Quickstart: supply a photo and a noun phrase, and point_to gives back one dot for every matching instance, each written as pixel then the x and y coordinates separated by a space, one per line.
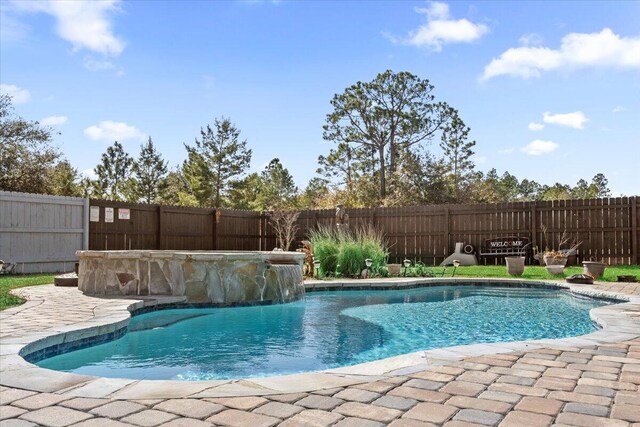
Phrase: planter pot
pixel 551 260
pixel 515 265
pixel 595 269
pixel 556 270
pixel 394 269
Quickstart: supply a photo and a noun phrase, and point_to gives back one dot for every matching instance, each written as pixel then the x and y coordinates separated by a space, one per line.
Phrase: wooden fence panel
pixel 607 228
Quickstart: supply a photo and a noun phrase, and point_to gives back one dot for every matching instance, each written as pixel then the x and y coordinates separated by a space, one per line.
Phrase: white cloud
pixel 574 120
pixel 531 39
pixel 535 126
pixel 54 120
pixel 506 150
pixel 84 23
pixel 18 95
pixel 539 147
pixel 93 64
pixel 110 131
pixel 441 29
pixel 577 50
pixel 618 109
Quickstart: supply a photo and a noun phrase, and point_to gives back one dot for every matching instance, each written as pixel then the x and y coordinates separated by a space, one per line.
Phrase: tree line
pixel 382 133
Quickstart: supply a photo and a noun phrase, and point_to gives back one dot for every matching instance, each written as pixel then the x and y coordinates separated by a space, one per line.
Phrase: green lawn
pixel 537 272
pixel 9 282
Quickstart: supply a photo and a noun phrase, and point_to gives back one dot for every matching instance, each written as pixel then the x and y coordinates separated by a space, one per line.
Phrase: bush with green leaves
pixel 343 254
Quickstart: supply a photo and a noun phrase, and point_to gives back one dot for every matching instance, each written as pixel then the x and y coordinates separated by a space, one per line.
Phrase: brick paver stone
pixel 552 383
pixel 55 416
pixel 463 388
pixel 370 412
pixel 357 395
pixel 513 379
pixel 288 398
pixel 278 410
pixel 597 391
pixel 419 394
pixel 539 405
pixel 192 408
pixel 40 400
pixel 242 403
pixel 312 418
pixel 500 396
pixel 580 398
pixel 586 409
pixel 320 402
pixel 431 412
pixel 83 403
pixel 466 402
pixel 8 396
pixel 627 412
pixel 410 422
pixel 185 422
pixel 117 409
pixel 581 420
pixel 235 418
pixel 10 412
pixel 479 417
pixel 358 422
pixel 395 402
pixel 478 377
pixel 376 386
pixel 526 419
pixel 425 384
pixel 16 422
pixel 104 422
pixel 149 418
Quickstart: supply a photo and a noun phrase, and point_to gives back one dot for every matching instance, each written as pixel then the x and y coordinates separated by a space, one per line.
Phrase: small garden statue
pixel 342 218
pixel 308 267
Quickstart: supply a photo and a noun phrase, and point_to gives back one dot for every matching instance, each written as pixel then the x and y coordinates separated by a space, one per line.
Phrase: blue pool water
pixel 327 330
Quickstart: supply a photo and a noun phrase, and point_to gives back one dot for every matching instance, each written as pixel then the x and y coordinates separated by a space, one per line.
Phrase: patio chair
pixel 7 267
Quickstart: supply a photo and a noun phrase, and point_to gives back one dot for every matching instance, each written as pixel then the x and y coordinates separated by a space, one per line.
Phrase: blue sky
pixel 550 90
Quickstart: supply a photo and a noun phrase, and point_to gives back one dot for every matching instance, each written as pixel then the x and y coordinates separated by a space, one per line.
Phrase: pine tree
pixel 277 189
pixel 114 172
pixel 150 173
pixel 457 151
pixel 216 160
pixel 64 180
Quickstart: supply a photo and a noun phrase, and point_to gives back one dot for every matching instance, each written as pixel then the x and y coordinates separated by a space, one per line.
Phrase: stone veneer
pixel 211 277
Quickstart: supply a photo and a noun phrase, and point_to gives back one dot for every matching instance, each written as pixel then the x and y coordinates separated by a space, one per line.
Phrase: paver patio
pixel 592 380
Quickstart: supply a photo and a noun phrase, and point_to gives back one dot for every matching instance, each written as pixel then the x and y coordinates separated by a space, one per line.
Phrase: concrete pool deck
pixel 587 380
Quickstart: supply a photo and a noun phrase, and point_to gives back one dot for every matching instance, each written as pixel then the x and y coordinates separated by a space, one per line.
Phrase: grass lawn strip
pixel 9 282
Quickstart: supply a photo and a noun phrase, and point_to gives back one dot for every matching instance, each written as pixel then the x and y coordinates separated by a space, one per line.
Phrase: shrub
pixel 344 254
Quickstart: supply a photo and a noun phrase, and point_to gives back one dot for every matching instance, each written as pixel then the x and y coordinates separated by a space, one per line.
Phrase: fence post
pixel 634 230
pixel 214 234
pixel 159 237
pixel 85 235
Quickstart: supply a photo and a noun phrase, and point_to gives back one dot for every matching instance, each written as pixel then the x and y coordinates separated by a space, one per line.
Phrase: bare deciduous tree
pixel 285 227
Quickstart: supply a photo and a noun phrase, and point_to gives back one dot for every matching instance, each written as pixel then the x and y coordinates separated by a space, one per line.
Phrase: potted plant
pixel 594 268
pixel 560 255
pixel 394 269
pixel 515 265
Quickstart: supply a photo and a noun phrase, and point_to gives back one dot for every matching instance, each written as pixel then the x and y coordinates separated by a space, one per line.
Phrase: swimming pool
pixel 326 330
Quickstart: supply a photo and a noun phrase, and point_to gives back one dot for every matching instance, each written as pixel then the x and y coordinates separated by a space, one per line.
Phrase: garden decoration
pixel 593 268
pixel 515 265
pixel 342 218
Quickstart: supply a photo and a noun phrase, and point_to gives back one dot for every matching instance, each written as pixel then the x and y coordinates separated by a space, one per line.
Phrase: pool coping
pixel 114 315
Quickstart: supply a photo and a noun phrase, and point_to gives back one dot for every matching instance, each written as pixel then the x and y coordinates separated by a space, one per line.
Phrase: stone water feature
pixel 202 276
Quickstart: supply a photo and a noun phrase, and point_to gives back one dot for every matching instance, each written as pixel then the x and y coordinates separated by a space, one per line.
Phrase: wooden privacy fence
pixel 41 233
pixel 607 228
